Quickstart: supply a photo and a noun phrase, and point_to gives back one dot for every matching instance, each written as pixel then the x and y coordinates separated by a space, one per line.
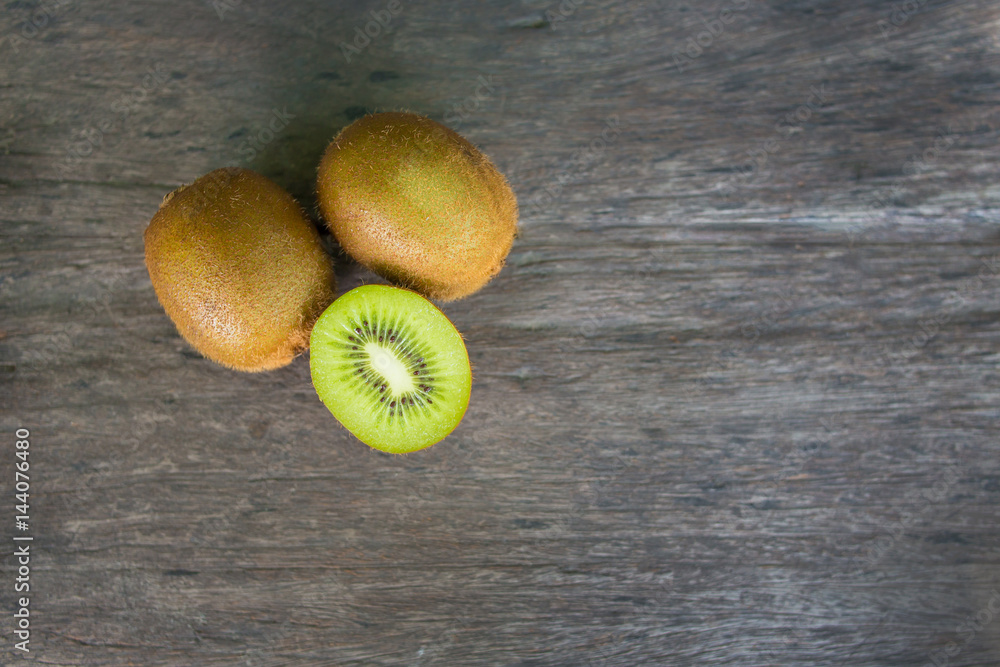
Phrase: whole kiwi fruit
pixel 418 204
pixel 239 269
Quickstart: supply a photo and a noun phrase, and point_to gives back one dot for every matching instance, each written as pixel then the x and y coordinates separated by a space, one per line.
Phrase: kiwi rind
pixel 418 204
pixel 391 367
pixel 239 269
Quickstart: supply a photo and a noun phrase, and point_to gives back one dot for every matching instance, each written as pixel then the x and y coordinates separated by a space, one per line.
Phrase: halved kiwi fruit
pixel 239 269
pixel 391 368
pixel 418 204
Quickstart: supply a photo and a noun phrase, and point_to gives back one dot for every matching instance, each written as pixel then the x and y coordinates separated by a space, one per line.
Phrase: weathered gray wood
pixel 736 396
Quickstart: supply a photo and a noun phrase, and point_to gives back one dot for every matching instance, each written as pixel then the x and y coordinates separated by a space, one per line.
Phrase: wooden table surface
pixel 736 399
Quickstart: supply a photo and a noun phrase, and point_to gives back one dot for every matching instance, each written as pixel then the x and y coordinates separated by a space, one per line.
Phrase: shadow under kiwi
pixel 307 117
pixel 291 160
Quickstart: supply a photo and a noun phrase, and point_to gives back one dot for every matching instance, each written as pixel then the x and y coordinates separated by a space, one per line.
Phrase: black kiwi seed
pixel 403 352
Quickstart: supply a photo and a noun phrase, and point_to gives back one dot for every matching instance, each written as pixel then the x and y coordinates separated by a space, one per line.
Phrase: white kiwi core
pixel 390 368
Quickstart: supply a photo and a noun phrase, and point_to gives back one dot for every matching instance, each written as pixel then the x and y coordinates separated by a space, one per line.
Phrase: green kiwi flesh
pixel 391 367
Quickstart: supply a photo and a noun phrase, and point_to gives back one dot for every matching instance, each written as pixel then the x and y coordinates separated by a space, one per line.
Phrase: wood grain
pixel 736 393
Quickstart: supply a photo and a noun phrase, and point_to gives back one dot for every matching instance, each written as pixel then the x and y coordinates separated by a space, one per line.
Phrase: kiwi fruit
pixel 418 204
pixel 239 269
pixel 391 368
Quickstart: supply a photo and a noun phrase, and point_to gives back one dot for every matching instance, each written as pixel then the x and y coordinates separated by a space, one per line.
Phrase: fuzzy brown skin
pixel 239 269
pixel 418 204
